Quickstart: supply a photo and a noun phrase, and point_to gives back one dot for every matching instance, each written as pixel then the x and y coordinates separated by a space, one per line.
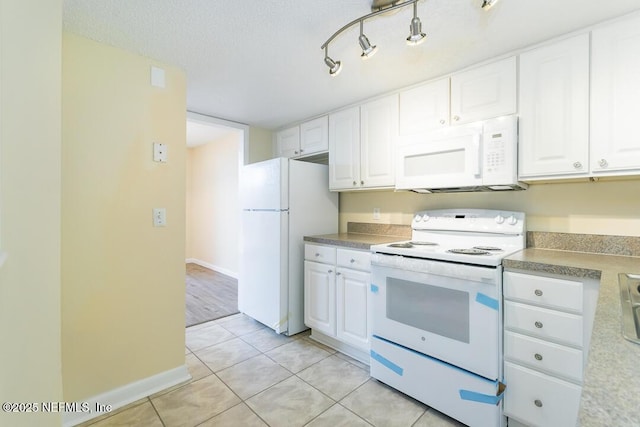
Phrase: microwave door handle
pixel 476 160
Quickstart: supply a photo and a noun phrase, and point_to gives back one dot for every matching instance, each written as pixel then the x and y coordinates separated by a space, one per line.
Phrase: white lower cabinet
pixel 336 299
pixel 548 321
pixel 320 295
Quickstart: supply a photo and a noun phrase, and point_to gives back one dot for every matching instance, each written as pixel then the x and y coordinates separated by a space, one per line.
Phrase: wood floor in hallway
pixel 209 295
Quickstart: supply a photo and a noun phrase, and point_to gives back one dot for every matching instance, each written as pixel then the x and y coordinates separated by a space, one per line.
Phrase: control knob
pixel 417 218
pixel 499 219
pixel 512 220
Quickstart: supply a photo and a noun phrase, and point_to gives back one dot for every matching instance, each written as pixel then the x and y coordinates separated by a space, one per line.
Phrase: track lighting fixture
pixel 378 7
pixel 416 36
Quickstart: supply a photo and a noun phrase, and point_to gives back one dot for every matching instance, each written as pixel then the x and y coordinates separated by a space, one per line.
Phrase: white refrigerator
pixel 282 200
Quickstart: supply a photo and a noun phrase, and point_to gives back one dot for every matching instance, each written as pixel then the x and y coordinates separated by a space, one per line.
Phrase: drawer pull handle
pixel 538 292
pixel 538 325
pixel 538 403
pixel 538 356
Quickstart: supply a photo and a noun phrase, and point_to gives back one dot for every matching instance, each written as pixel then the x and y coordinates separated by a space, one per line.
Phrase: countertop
pixel 612 377
pixel 353 240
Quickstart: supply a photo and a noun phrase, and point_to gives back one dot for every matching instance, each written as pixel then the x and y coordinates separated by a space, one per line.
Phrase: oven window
pixel 430 308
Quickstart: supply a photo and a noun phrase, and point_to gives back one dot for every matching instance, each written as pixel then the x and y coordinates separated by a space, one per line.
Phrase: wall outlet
pixel 159 217
pixel 376 213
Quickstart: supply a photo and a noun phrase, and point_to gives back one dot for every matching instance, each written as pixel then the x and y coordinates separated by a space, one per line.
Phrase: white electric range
pixel 437 311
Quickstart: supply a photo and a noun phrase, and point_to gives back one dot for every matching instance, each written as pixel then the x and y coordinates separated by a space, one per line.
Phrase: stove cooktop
pixel 471 236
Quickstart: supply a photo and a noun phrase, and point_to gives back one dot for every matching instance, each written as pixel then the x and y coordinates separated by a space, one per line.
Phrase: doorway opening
pixel 216 150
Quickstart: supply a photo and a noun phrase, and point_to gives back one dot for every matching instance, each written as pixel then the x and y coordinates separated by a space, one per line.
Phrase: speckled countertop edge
pixel 353 240
pixel 611 379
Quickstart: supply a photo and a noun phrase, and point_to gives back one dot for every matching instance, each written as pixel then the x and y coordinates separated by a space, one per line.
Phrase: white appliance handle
pixel 475 152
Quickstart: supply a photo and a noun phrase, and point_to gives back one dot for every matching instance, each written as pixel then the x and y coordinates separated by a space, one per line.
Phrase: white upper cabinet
pixel 344 149
pixel 484 92
pixel 310 137
pixel 361 145
pixel 424 107
pixel 314 136
pixel 288 142
pixel 379 132
pixel 615 97
pixel 554 109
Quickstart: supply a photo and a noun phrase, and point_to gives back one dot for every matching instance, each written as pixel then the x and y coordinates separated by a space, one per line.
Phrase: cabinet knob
pixel 355 183
pixel 538 292
pixel 442 121
pixel 361 182
pixel 337 274
pixel 603 163
pixel 330 271
pixel 538 403
pixel 538 356
pixel 295 152
pixel 538 325
pixel 317 254
pixel 577 165
pixel 456 118
pixel 352 261
pixel 301 150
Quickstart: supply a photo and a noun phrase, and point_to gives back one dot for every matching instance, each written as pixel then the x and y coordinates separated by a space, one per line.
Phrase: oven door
pixel 449 311
pixel 445 161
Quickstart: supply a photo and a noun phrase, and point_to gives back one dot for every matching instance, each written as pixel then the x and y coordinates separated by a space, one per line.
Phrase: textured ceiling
pixel 259 62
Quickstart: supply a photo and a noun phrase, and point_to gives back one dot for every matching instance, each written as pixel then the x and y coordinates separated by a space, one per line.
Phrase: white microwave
pixel 481 156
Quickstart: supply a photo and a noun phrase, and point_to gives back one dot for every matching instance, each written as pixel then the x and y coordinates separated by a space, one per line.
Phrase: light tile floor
pixel 245 375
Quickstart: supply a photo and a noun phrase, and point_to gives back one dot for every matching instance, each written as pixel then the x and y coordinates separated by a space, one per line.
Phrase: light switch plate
pixel 159 152
pixel 159 217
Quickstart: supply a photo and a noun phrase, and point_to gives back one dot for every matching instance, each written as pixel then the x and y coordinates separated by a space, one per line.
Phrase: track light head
pixel 416 36
pixel 367 50
pixel 487 4
pixel 334 66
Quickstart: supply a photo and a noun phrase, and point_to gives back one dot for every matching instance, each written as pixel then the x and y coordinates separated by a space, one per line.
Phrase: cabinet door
pixel 288 142
pixel 320 297
pixel 379 131
pixel 352 324
pixel 314 136
pixel 554 109
pixel 344 149
pixel 484 92
pixel 615 97
pixel 424 108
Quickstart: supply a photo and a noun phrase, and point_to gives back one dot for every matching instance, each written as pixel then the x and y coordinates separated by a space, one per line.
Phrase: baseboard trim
pixel 204 264
pixel 129 393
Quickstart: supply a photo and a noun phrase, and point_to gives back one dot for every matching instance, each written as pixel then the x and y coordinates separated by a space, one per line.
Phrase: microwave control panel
pixel 499 151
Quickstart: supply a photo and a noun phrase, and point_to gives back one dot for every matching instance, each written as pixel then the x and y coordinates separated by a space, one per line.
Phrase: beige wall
pixel 212 203
pixel 260 144
pixel 123 288
pixel 30 364
pixel 604 207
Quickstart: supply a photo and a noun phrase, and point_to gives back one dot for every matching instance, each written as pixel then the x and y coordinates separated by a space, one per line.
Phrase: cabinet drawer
pixel 547 291
pixel 359 260
pixel 540 400
pixel 543 323
pixel 324 254
pixel 553 358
